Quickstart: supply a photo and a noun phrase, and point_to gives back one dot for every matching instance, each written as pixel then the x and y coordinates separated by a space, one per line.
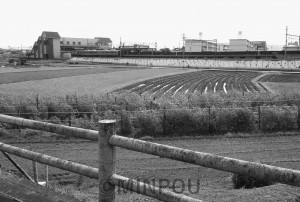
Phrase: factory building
pixel 241 45
pixel 47 46
pixel 260 45
pixel 198 45
pixel 50 45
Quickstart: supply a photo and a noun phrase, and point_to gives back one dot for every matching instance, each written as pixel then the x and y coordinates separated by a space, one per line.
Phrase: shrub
pixel 181 122
pixel 28 111
pixel 54 120
pixel 60 110
pixel 8 109
pixel 126 124
pixel 232 120
pixel 83 105
pixel 84 122
pixel 247 182
pixel 149 123
pixel 277 119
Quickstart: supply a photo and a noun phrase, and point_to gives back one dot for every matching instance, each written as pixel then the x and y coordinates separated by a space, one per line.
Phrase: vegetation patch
pixel 180 115
pixel 247 182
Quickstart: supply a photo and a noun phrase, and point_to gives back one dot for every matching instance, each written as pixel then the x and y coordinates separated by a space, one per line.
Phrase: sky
pixel 149 22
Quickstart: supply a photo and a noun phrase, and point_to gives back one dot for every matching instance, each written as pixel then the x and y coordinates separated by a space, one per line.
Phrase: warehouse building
pixel 47 46
pixel 50 45
pixel 260 45
pixel 241 45
pixel 199 45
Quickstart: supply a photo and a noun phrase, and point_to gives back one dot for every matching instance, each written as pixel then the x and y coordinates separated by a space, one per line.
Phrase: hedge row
pixel 193 114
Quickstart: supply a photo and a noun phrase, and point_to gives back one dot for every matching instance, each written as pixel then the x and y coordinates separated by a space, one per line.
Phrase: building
pixel 49 45
pixel 98 43
pixel 260 45
pixel 291 48
pixel 198 45
pixel 241 45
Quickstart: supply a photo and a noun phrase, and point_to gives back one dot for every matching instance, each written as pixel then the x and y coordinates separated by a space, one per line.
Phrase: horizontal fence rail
pixel 256 170
pixel 91 172
pixel 108 140
pixel 50 127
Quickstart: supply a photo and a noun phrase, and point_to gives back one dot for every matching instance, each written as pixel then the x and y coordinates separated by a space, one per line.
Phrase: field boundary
pixel 108 140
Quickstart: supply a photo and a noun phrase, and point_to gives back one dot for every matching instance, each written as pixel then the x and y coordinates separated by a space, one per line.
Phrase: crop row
pixel 200 81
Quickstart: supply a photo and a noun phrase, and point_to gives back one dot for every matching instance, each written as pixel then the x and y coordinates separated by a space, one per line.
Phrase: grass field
pixel 84 80
pixel 214 185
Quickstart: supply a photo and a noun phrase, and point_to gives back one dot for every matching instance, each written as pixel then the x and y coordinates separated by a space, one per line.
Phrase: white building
pixel 197 45
pixel 241 45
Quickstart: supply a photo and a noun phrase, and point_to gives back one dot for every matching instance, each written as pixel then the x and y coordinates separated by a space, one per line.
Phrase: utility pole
pixel 120 47
pixel 183 45
pixel 286 37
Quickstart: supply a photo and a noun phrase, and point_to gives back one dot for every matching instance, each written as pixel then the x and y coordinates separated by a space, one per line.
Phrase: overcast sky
pixel 140 21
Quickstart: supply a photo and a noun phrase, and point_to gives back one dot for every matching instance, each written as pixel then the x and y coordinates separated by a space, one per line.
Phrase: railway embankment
pixel 197 63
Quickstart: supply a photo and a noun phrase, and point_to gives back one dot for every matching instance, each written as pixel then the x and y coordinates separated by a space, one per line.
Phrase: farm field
pixel 281 82
pixel 282 78
pixel 200 81
pixel 214 185
pixel 15 77
pixel 81 80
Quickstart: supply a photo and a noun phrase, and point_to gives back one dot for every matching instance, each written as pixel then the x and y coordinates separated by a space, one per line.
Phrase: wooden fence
pixel 108 140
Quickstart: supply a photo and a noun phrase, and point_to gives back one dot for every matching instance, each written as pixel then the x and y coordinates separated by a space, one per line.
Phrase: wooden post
pixel 47 174
pixel 35 172
pixel 17 166
pixel 259 117
pixel 209 127
pixel 106 161
pixel 298 118
pixel 70 116
pixel 37 102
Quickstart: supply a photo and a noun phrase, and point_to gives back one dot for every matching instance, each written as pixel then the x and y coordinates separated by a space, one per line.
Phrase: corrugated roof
pixel 53 35
pixel 103 40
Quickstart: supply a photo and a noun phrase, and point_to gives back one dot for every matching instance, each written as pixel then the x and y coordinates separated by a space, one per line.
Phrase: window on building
pixel 74 43
pixel 68 42
pixel 61 42
pixel 79 43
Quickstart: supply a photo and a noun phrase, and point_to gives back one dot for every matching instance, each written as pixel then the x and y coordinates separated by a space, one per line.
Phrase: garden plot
pixel 199 81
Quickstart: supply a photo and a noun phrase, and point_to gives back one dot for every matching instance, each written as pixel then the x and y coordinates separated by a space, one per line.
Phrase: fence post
pixel 259 117
pixel 298 118
pixel 164 122
pixel 37 102
pixel 35 172
pixel 209 126
pixel 106 160
pixel 70 116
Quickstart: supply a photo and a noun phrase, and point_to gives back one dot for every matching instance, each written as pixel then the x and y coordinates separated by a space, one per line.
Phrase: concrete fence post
pixel 106 161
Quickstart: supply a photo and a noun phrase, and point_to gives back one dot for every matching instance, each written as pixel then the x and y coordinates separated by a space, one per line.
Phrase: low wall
pixel 200 63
